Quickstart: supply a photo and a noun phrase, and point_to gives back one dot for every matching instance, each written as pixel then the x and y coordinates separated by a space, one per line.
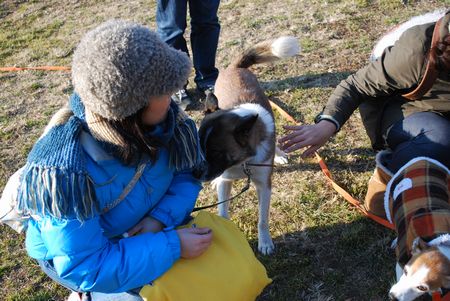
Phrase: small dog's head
pixel 428 270
pixel 225 141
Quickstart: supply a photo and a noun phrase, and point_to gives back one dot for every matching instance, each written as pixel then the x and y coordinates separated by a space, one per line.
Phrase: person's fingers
pixel 136 229
pixel 200 230
pixel 310 151
pixel 296 146
pixel 292 141
pixel 292 127
pixel 205 238
pixel 290 136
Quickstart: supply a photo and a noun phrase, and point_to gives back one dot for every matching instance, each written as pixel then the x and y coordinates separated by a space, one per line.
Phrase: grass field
pixel 325 249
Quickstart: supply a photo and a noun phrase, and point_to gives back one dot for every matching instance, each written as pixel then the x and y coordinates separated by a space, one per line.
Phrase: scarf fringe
pixel 58 192
pixel 184 149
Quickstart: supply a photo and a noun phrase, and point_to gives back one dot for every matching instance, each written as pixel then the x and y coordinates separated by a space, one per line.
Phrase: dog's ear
pixel 418 246
pixel 211 103
pixel 243 128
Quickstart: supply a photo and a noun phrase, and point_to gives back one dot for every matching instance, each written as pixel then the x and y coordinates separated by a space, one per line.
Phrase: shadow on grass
pixel 337 262
pixel 307 81
pixel 335 160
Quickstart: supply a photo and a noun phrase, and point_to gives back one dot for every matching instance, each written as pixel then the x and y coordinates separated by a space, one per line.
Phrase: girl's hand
pixel 194 241
pixel 147 224
pixel 312 136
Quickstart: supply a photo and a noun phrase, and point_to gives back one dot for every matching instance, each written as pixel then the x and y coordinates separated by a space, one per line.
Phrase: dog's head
pixel 428 270
pixel 225 141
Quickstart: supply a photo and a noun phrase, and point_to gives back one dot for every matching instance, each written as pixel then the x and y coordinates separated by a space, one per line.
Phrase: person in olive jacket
pixel 404 129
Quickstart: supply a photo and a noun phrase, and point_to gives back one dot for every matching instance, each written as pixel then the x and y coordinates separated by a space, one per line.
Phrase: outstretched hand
pixel 194 241
pixel 312 136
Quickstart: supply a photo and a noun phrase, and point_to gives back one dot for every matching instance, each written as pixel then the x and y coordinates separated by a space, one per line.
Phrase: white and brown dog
pixel 239 128
pixel 417 202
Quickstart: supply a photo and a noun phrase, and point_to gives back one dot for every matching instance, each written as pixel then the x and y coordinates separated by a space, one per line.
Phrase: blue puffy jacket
pixel 91 254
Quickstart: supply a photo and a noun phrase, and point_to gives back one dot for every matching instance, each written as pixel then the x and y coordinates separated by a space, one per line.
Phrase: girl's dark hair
pixel 441 54
pixel 132 131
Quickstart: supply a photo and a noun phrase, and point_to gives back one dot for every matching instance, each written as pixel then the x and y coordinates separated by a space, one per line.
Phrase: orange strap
pixel 336 187
pixel 46 68
pixel 349 198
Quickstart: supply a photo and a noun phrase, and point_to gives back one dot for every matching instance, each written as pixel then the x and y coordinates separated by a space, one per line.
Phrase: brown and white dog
pixel 239 128
pixel 417 202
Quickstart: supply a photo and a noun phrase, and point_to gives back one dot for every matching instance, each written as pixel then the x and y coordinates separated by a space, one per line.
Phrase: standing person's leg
pixel 171 22
pixel 424 134
pixel 205 30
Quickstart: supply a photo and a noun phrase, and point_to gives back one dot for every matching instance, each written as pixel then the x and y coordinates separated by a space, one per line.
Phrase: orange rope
pixel 336 187
pixel 46 68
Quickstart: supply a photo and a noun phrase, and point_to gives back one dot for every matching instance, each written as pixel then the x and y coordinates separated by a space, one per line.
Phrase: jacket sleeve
pixel 397 71
pixel 84 256
pixel 179 200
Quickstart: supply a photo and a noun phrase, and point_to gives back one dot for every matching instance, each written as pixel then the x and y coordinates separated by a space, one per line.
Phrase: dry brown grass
pixel 325 249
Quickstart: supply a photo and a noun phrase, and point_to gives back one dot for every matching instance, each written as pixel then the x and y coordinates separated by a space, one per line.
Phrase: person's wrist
pixel 328 126
pixel 329 118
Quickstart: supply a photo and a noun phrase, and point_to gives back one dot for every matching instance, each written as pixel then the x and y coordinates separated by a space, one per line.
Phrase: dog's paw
pixel 265 244
pixel 281 158
pixel 266 248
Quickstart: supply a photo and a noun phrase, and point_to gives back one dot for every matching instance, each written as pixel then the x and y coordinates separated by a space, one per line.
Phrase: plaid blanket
pixel 417 201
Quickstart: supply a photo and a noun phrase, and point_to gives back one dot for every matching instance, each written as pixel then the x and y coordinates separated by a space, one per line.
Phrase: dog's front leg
pixel 223 187
pixel 265 244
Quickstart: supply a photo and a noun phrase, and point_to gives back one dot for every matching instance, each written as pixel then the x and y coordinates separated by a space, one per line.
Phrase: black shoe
pixel 182 99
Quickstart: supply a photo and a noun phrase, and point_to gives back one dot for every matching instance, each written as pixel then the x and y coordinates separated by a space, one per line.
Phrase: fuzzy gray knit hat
pixel 119 65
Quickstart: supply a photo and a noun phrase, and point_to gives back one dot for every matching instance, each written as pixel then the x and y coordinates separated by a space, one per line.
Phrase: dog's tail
pixel 268 51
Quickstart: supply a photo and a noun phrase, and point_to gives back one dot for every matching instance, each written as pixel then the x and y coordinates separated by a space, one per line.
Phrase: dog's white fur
pixel 392 36
pixel 285 47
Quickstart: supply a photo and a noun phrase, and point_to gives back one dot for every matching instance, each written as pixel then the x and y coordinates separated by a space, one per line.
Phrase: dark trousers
pixel 424 134
pixel 205 29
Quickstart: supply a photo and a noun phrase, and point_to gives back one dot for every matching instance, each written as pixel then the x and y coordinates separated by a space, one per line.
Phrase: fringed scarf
pixel 55 180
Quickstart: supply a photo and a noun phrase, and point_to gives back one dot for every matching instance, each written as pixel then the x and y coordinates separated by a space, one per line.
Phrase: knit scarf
pixel 55 180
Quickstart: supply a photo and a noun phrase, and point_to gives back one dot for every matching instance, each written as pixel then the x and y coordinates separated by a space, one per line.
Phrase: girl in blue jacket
pixel 110 178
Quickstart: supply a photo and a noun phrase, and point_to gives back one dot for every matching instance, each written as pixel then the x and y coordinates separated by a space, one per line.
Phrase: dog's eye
pixel 422 288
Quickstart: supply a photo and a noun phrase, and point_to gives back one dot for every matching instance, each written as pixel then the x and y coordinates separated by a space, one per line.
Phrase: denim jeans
pixel 420 134
pixel 205 29
pixel 48 268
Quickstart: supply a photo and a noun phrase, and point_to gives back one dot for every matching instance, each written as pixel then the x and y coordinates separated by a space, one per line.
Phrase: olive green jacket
pixel 377 88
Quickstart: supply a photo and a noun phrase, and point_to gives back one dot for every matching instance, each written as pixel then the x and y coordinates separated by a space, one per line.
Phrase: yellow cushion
pixel 228 270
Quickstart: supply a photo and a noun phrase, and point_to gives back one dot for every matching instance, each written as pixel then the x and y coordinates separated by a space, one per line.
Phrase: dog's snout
pixel 392 297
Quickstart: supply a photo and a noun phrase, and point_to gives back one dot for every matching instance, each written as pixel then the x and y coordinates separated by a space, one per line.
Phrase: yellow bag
pixel 227 271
